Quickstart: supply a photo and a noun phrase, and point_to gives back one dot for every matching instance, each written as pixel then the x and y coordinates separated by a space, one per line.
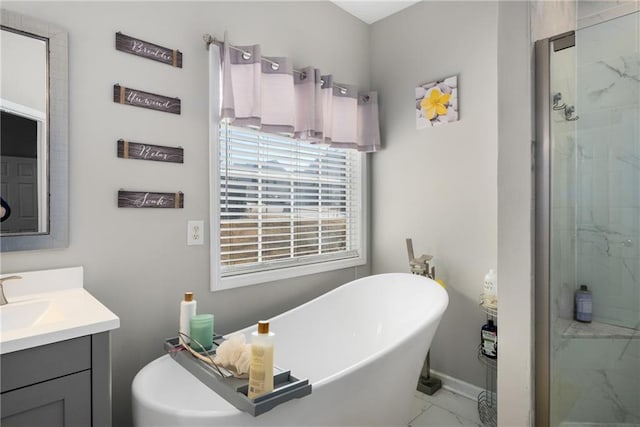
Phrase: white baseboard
pixel 458 386
pixel 577 424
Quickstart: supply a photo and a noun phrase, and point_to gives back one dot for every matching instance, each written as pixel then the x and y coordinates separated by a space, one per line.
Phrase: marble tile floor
pixel 445 408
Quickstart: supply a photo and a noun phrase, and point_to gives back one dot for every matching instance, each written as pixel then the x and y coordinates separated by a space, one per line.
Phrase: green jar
pixel 201 326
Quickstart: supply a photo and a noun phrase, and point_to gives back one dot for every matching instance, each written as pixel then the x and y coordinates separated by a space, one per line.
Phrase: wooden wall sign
pixel 158 153
pixel 146 199
pixel 138 98
pixel 148 50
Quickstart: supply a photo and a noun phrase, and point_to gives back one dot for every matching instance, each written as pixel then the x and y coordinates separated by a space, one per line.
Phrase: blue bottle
pixel 583 307
pixel 489 340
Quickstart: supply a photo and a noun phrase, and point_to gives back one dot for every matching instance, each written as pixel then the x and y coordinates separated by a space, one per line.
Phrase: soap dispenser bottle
pixel 489 340
pixel 583 304
pixel 261 367
pixel 187 311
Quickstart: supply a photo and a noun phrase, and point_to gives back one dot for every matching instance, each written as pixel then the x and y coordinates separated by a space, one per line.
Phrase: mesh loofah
pixel 234 354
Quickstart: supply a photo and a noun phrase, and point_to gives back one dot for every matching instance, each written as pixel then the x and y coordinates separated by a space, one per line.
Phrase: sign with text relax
pixel 158 153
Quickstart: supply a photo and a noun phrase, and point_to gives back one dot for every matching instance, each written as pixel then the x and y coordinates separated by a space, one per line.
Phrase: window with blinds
pixel 284 202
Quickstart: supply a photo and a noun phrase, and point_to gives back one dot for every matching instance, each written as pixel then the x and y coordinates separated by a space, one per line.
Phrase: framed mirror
pixel 34 134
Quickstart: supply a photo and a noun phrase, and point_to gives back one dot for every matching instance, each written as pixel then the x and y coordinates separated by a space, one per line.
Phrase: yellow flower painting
pixel 437 103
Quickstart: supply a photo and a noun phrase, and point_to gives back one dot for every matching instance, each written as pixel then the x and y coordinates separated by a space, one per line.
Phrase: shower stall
pixel 588 224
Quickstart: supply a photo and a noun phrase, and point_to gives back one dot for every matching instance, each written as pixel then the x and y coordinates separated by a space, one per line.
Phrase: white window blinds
pixel 285 202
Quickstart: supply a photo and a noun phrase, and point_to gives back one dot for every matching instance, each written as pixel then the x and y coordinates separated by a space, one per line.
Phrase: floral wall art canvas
pixel 437 103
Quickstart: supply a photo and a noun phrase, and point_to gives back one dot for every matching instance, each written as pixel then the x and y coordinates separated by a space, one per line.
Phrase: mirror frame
pixel 58 141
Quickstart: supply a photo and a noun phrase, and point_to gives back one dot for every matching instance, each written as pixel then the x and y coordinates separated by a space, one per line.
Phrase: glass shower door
pixel 594 239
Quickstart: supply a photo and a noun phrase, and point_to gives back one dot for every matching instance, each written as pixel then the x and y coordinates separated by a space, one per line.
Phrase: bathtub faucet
pixel 420 265
pixel 3 299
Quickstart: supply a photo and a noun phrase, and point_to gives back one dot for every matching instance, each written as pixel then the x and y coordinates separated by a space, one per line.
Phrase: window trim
pixel 218 283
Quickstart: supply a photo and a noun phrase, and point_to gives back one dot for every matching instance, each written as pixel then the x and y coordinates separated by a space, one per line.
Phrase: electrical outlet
pixel 195 232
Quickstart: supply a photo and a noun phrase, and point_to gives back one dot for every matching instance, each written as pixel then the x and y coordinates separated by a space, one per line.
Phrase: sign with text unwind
pixel 139 98
pixel 147 199
pixel 158 153
pixel 148 50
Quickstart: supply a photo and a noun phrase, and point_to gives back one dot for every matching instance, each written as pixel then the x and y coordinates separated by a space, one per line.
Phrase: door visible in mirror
pixel 24 133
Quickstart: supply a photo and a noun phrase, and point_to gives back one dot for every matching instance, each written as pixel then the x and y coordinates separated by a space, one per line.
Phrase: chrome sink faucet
pixel 3 300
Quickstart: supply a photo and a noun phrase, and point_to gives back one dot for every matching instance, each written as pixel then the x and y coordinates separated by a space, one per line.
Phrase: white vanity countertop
pixel 50 306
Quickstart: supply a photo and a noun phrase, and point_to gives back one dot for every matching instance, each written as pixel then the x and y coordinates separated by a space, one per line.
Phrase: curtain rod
pixel 209 39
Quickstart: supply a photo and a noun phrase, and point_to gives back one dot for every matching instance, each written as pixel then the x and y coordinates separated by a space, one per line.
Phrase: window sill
pixel 239 280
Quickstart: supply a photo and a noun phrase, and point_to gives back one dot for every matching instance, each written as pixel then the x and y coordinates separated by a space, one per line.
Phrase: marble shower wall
pixel 551 18
pixel 591 12
pixel 564 188
pixel 597 43
pixel 608 168
pixel 595 378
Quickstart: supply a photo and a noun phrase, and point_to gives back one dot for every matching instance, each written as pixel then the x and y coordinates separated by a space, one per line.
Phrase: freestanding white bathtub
pixel 361 346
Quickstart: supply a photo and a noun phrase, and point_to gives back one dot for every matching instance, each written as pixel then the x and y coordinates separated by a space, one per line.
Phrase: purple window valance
pixel 268 94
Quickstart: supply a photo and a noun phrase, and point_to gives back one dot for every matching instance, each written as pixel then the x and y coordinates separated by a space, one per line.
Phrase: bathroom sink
pixel 49 306
pixel 26 314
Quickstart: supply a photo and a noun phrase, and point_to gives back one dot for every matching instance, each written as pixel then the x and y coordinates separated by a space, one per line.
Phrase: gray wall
pixel 136 261
pixel 24 82
pixel 439 185
pixel 515 212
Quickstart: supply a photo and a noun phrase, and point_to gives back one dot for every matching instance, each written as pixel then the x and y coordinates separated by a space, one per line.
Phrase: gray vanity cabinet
pixel 64 384
pixel 61 402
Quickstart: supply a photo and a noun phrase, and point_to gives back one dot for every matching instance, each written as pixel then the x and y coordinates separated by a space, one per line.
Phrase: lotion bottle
pixel 187 311
pixel 261 368
pixel 490 289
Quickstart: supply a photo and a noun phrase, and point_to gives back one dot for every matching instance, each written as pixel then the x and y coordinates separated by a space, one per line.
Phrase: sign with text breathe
pixel 148 50
pixel 139 98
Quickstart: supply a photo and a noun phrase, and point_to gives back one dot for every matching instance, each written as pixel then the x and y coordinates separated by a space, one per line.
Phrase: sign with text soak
pixel 158 153
pixel 139 98
pixel 147 199
pixel 148 50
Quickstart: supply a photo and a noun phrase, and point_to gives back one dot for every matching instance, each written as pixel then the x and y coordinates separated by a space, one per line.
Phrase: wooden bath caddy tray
pixel 234 390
